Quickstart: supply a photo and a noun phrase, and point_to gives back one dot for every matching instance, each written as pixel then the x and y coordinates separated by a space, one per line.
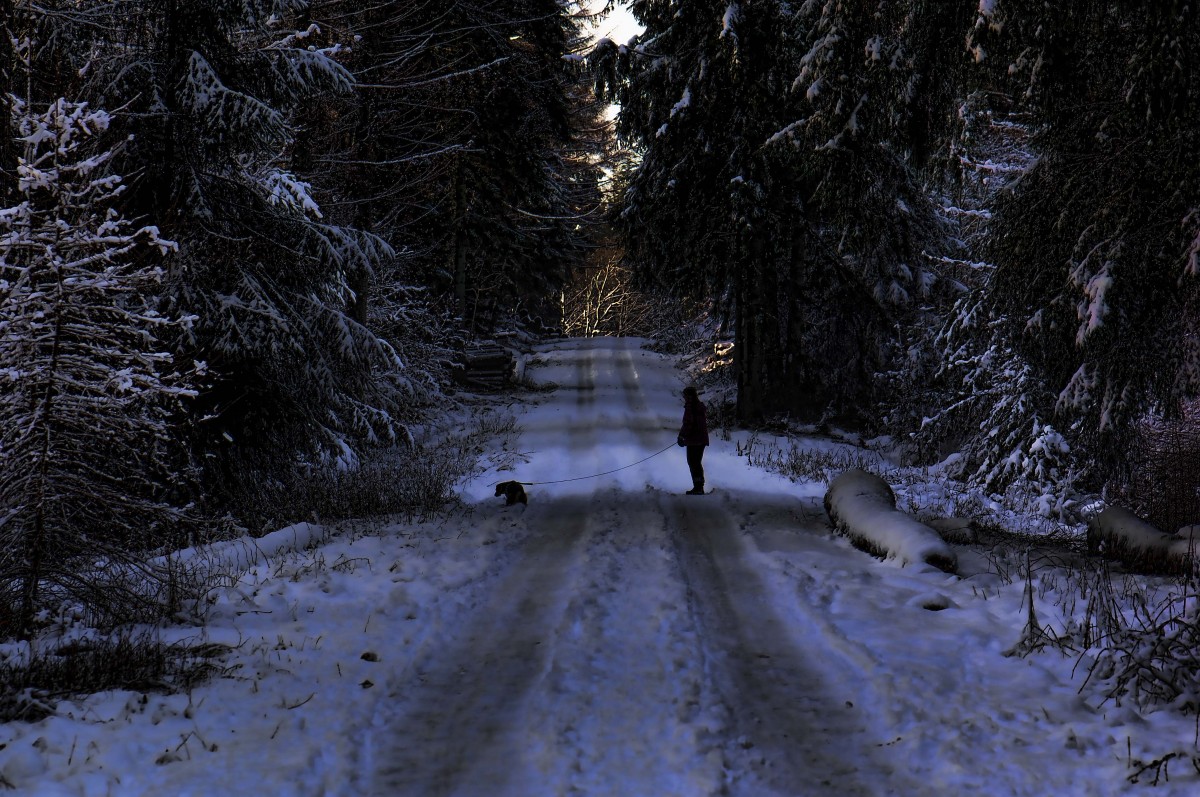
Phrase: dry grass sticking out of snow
pixel 1131 641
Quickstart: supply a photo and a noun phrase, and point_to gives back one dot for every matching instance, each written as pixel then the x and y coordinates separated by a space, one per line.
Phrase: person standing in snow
pixel 693 435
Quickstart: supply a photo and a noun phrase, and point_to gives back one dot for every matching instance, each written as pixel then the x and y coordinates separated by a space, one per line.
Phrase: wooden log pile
pixel 486 366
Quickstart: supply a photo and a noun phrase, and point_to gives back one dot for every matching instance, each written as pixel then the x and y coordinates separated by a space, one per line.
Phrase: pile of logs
pixel 486 366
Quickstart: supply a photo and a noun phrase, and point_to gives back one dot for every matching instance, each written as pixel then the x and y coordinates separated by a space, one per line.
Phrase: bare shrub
pixel 604 298
pixel 1138 640
pixel 1162 482
pixel 1149 650
pixel 416 480
pixel 31 683
pixel 110 592
pixel 799 463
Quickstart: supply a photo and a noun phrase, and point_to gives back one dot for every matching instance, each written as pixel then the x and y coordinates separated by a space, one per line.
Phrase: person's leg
pixel 695 457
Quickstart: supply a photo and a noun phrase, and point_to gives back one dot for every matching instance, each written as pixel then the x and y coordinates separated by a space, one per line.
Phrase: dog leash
pixel 594 475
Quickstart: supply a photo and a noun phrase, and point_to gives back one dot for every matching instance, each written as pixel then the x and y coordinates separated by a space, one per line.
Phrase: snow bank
pixel 863 507
pixel 1120 535
pixel 240 555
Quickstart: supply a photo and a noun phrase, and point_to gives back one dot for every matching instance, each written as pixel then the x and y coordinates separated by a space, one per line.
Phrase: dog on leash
pixel 513 493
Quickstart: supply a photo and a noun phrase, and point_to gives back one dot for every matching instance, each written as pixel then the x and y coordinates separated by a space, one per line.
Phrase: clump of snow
pixel 684 101
pixel 874 48
pixel 863 506
pixel 284 188
pixel 729 20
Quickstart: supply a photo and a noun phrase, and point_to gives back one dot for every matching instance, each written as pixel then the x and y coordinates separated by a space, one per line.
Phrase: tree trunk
pixel 748 348
pixel 458 239
pixel 8 151
pixel 360 286
pixel 36 543
pixel 160 170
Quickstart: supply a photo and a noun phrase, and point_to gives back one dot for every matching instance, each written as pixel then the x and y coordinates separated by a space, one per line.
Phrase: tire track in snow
pixel 651 430
pixel 787 735
pixel 460 722
pixel 461 727
pixel 623 711
pixel 581 427
pixel 626 646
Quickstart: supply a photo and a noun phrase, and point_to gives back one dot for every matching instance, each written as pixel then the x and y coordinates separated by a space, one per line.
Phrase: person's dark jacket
pixel 694 431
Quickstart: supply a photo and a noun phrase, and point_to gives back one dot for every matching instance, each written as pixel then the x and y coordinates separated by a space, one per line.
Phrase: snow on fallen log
pixel 1118 534
pixel 234 557
pixel 863 507
pixel 190 572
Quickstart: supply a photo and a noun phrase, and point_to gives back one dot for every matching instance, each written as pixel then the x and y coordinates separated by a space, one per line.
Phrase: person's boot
pixel 697 489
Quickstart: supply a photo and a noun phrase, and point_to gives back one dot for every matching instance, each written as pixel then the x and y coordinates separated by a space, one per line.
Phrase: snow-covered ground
pixel 613 637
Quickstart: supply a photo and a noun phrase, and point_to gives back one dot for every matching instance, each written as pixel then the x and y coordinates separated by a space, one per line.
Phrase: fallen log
pixel 863 507
pixel 1117 534
pixel 955 530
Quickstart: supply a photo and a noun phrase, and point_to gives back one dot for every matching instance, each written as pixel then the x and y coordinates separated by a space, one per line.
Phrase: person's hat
pixel 689 391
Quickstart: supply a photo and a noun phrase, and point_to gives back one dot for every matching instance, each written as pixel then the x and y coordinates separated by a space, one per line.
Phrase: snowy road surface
pixel 631 640
pixel 613 638
pixel 630 631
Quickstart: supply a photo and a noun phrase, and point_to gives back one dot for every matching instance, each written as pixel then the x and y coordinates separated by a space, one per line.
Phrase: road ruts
pixel 786 735
pixel 460 713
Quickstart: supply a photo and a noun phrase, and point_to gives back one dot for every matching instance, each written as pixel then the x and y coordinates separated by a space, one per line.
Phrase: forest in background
pixel 243 242
pixel 242 245
pixel 971 225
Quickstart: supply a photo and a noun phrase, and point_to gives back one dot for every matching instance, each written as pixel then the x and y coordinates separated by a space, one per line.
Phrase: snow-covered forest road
pixel 614 638
pixel 631 638
pixel 627 639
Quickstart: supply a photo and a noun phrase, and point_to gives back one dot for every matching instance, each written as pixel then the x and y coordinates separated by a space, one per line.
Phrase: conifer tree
pixel 778 175
pixel 461 128
pixel 697 91
pixel 218 94
pixel 89 397
pixel 510 223
pixel 1094 291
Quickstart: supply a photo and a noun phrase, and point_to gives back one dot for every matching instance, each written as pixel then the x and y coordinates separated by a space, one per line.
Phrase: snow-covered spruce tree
pixel 466 108
pixel 880 85
pixel 511 231
pixel 369 156
pixel 217 92
pixel 1095 247
pixel 710 214
pixel 777 174
pixel 88 396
